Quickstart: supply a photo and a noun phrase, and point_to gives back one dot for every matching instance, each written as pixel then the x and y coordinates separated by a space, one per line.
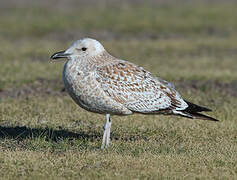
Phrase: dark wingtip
pixel 204 117
pixel 193 111
pixel 195 108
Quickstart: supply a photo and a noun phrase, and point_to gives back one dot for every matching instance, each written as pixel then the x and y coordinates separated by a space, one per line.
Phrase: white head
pixel 85 47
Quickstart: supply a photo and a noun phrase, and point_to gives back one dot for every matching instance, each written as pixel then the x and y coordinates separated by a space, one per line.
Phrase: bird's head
pixel 82 48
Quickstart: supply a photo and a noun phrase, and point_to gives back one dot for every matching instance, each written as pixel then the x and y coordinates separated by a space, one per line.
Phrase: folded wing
pixel 137 89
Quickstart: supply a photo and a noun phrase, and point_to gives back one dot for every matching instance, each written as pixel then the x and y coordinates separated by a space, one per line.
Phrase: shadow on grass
pixel 49 134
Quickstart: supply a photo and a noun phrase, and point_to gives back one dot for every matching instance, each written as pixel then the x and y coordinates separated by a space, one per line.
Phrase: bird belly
pixel 87 93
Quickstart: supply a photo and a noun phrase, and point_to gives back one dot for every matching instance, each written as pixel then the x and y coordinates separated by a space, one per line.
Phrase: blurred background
pixel 174 39
pixel 44 135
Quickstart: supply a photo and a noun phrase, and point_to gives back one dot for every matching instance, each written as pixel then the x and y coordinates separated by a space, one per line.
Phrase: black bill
pixel 60 54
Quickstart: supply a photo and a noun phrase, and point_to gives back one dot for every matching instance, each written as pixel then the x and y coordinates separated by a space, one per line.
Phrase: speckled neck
pixel 101 58
pixel 90 63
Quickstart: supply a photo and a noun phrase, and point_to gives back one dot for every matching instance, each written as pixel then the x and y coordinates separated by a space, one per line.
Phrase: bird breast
pixel 84 89
pixel 73 78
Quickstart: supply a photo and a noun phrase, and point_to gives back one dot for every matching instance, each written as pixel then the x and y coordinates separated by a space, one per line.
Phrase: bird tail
pixel 192 111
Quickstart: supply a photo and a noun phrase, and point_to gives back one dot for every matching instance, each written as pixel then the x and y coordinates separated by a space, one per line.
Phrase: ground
pixel 44 134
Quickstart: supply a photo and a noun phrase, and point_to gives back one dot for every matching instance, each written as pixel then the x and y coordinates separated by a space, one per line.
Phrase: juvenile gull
pixel 101 83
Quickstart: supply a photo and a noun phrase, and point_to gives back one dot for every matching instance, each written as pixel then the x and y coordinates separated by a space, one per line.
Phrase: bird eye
pixel 83 49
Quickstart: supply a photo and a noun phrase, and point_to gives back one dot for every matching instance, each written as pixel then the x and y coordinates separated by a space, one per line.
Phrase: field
pixel 45 135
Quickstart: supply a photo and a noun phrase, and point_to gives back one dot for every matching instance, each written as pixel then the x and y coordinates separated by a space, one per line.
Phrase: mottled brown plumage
pixel 101 83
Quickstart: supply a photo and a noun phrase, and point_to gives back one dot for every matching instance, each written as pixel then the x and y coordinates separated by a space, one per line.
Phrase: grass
pixel 43 134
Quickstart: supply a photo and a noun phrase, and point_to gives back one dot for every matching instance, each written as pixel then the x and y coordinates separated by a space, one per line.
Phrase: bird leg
pixel 106 135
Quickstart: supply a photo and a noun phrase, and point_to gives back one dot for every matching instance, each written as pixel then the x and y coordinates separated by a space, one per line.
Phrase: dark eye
pixel 83 49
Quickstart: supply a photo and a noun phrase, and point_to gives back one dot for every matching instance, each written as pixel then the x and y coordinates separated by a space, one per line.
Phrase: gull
pixel 102 83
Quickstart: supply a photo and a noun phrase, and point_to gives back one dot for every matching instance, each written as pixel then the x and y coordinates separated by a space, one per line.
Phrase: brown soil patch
pixel 206 86
pixel 45 87
pixel 40 87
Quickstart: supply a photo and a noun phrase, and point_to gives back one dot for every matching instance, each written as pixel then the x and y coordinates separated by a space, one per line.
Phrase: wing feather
pixel 137 89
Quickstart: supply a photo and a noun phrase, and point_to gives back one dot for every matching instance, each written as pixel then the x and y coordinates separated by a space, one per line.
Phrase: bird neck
pixel 92 62
pixel 99 59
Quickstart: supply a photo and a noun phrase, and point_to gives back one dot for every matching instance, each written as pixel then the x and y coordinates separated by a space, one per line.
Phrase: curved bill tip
pixel 60 54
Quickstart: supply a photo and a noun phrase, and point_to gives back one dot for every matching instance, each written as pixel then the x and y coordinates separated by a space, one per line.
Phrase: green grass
pixel 178 19
pixel 45 135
